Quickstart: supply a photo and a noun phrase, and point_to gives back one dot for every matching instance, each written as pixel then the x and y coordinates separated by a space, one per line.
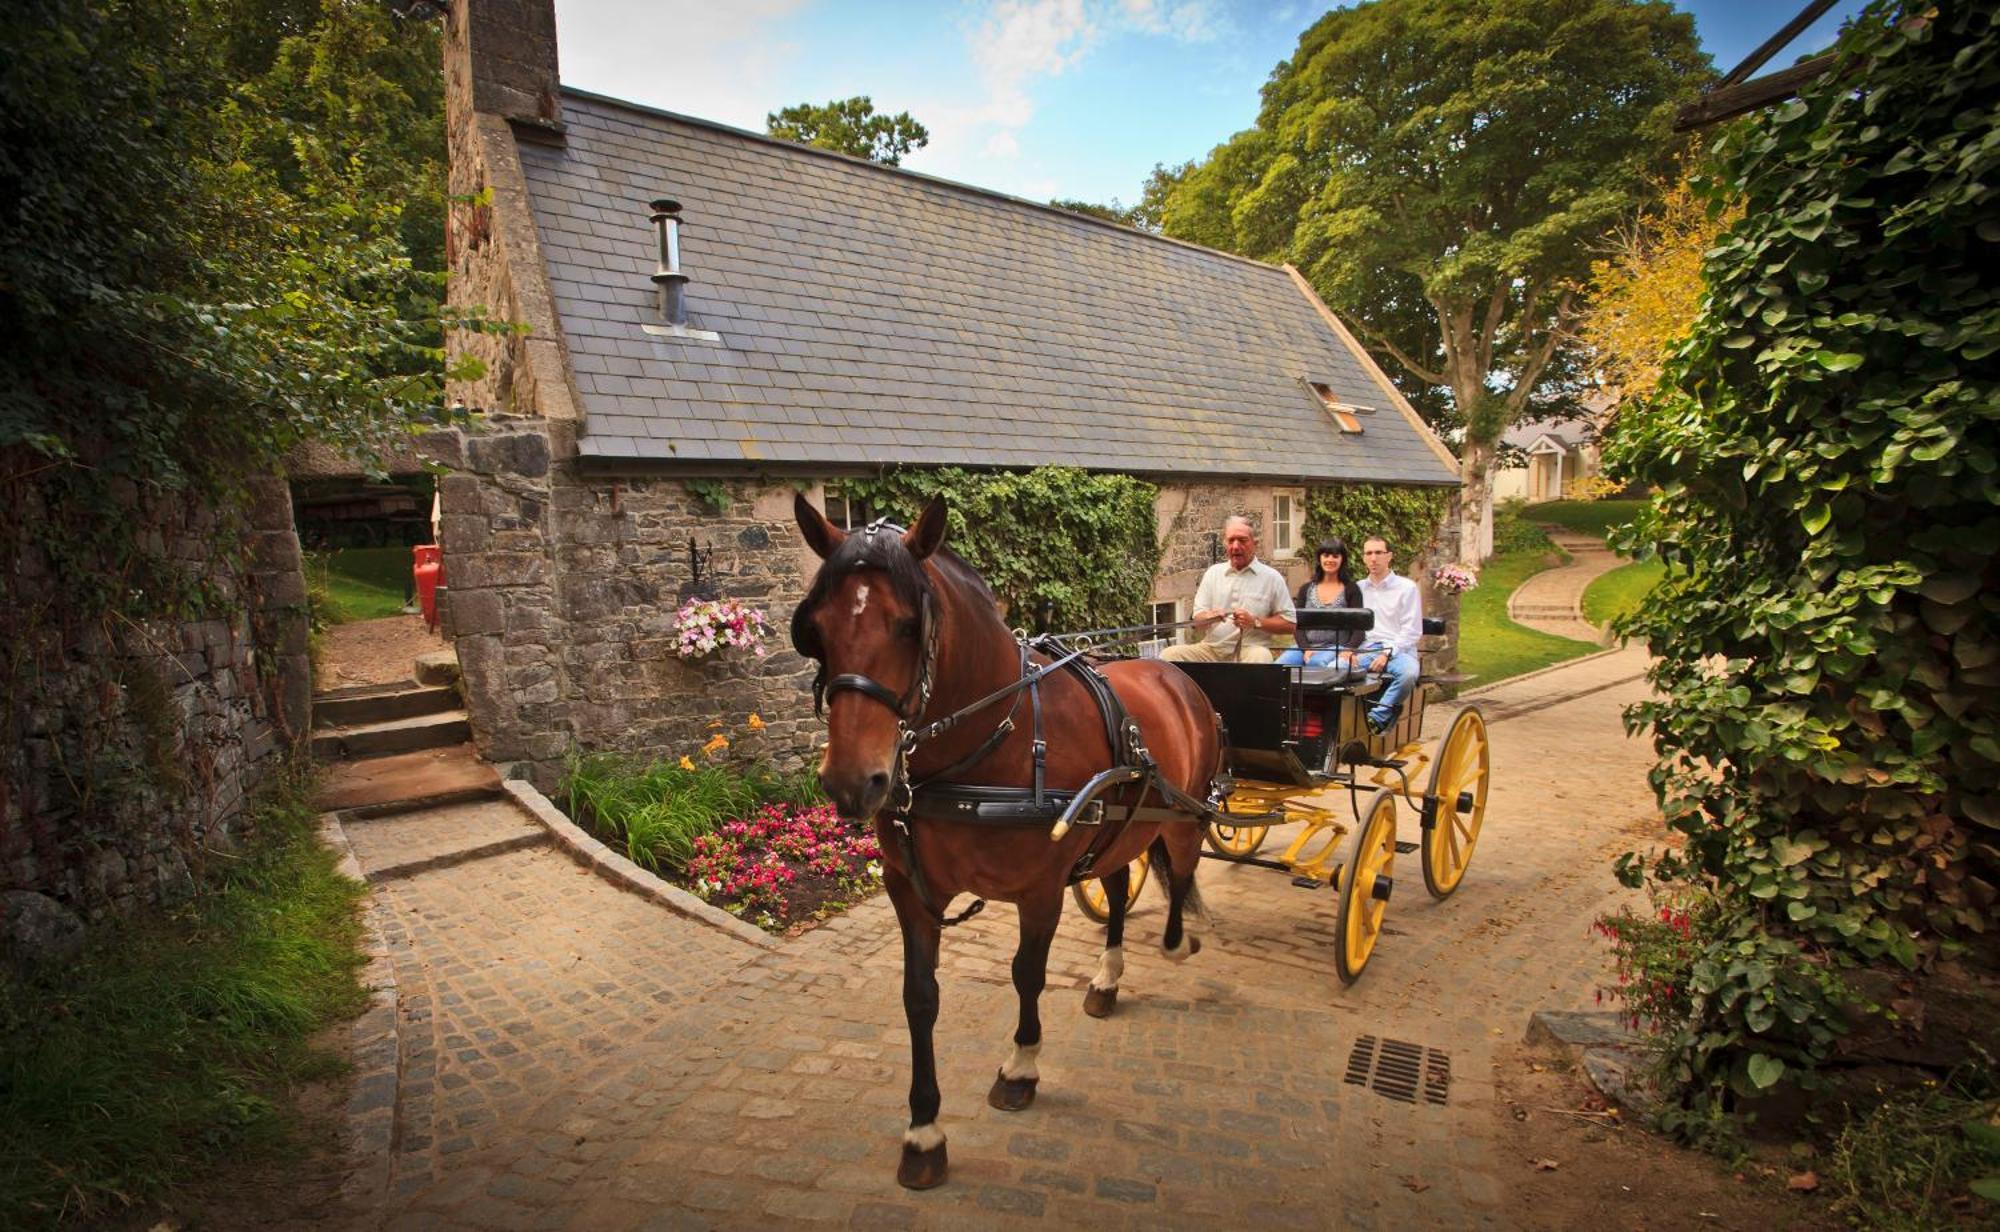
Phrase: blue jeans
pixel 1318 658
pixel 1402 670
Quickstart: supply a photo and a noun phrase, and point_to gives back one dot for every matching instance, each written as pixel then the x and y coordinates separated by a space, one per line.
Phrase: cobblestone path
pixel 577 1057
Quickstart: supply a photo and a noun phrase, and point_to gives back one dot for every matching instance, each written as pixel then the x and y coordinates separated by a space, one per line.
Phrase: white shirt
pixel 1399 613
pixel 1256 587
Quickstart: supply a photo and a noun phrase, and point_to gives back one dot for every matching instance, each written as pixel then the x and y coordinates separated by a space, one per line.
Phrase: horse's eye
pixel 907 627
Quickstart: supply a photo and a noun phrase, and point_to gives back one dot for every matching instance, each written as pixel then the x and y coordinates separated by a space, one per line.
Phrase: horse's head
pixel 871 619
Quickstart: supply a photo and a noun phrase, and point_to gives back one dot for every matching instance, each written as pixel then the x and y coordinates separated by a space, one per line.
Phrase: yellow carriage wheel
pixel 1096 904
pixel 1458 784
pixel 1364 899
pixel 1236 842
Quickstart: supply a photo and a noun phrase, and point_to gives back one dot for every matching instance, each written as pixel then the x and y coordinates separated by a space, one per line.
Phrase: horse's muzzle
pixel 859 796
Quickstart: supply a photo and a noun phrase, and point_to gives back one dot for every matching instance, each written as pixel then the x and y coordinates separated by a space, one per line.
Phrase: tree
pixel 850 126
pixel 1826 641
pixel 1440 171
pixel 1123 215
pixel 1646 291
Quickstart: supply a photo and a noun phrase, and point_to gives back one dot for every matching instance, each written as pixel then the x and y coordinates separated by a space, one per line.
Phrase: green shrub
pixel 1513 531
pixel 658 809
pixel 1827 650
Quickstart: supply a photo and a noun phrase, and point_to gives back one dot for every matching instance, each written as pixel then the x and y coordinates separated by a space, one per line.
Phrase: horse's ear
pixel 927 535
pixel 821 535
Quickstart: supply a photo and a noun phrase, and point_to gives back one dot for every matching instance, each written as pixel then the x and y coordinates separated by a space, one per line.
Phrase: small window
pixel 1163 612
pixel 1346 414
pixel 1287 512
pixel 844 511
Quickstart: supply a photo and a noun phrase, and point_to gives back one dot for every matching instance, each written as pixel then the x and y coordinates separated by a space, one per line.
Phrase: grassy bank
pixel 360 583
pixel 1492 647
pixel 1596 518
pixel 1613 594
pixel 174 1042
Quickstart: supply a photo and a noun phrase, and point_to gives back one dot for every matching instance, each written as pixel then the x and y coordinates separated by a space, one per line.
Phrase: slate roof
pixel 869 315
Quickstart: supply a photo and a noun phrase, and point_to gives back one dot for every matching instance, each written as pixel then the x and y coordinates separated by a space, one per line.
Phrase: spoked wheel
pixel 1364 898
pixel 1236 842
pixel 1458 784
pixel 1090 894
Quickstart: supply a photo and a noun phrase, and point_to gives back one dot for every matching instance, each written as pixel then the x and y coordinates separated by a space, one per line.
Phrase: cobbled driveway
pixel 573 1056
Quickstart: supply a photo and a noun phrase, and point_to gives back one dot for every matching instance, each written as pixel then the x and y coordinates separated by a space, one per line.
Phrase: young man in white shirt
pixel 1241 603
pixel 1391 645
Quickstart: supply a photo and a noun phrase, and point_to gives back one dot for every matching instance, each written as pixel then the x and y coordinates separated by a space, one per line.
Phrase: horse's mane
pixel 882 550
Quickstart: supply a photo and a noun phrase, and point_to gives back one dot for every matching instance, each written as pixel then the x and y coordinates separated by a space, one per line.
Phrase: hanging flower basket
pixel 704 626
pixel 1455 579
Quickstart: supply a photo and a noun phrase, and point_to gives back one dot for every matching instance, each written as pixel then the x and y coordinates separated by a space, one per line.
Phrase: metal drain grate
pixel 1405 848
pixel 1400 1070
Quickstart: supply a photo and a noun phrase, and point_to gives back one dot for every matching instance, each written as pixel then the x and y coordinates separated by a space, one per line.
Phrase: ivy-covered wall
pixel 1827 639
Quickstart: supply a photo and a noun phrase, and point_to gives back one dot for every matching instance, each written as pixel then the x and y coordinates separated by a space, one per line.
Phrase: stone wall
pixel 133 748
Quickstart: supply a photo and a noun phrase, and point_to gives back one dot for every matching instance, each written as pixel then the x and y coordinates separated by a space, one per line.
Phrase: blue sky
pixel 1040 98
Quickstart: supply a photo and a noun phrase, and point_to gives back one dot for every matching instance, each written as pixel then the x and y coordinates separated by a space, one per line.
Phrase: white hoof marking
pixel 1110 969
pixel 1022 1063
pixel 924 1137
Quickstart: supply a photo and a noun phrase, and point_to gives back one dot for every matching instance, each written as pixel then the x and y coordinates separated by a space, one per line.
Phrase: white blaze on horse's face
pixel 860 599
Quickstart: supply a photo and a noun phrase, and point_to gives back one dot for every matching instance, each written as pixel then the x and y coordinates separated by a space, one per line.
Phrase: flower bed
pixel 760 844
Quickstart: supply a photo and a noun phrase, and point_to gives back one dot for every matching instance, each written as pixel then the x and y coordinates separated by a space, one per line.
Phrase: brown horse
pixel 908 635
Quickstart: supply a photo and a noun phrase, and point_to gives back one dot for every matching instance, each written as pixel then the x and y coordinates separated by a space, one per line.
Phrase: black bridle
pixel 910 705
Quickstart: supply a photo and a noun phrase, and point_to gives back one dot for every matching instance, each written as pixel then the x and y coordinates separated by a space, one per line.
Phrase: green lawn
pixel 361 583
pixel 1615 593
pixel 1597 518
pixel 1492 647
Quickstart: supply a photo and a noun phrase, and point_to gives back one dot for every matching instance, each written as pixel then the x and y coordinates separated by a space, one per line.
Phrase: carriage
pixel 1295 738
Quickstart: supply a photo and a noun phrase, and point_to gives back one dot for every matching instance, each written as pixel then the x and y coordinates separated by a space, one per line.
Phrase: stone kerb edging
pixel 370 1121
pixel 1540 671
pixel 622 873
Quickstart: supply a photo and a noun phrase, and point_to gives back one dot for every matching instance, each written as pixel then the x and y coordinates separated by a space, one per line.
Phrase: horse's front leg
pixel 1102 996
pixel 923 1164
pixel 1014 1089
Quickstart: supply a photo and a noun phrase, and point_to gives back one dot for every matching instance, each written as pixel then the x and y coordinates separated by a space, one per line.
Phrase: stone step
pixel 380 703
pixel 402 843
pixel 423 731
pixel 408 780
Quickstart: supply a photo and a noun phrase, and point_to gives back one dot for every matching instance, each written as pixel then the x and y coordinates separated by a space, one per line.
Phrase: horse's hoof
pixel 1099 1002
pixel 922 1169
pixel 1011 1094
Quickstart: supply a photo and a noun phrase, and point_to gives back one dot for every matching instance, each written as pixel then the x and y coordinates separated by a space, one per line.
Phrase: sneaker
pixel 1379 724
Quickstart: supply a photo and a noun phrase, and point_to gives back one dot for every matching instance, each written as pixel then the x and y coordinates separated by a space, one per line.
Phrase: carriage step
pixel 1403 849
pixel 1307 883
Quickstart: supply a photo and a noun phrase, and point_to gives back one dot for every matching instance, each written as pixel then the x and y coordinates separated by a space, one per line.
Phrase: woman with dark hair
pixel 1331 585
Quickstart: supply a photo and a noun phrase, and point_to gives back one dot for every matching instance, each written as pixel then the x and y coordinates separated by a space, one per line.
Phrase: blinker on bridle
pixel 910 705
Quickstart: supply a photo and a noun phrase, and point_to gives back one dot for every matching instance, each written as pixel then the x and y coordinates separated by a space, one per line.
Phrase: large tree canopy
pixel 1441 170
pixel 850 126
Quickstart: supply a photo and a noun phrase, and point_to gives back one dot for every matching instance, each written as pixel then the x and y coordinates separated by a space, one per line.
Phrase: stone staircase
pixel 397 744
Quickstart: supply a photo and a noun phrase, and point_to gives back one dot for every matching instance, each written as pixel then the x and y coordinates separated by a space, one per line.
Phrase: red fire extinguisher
pixel 429 572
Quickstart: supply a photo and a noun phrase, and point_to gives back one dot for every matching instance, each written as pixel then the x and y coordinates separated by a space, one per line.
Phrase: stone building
pixel 819 317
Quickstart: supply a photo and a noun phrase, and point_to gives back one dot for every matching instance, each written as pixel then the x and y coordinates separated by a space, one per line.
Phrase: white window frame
pixel 840 510
pixel 1285 530
pixel 1175 611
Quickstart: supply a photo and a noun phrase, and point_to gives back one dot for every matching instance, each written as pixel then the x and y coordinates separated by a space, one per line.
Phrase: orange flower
pixel 755 723
pixel 687 763
pixel 716 744
pixel 714 724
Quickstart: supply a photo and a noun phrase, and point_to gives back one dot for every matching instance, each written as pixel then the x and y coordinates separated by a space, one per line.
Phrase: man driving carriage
pixel 1239 606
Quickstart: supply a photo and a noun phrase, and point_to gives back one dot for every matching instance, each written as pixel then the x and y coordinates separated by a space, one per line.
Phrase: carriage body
pixel 1298 749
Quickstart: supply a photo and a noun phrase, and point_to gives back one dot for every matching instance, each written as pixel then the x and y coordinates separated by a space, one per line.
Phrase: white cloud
pixel 1003 144
pixel 722 62
pixel 1191 21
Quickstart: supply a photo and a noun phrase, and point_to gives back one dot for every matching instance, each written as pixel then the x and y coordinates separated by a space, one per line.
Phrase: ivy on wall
pixel 1081 543
pixel 1827 639
pixel 1409 518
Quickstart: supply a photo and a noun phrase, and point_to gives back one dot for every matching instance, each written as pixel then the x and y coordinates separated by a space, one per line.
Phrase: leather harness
pixel 937 798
